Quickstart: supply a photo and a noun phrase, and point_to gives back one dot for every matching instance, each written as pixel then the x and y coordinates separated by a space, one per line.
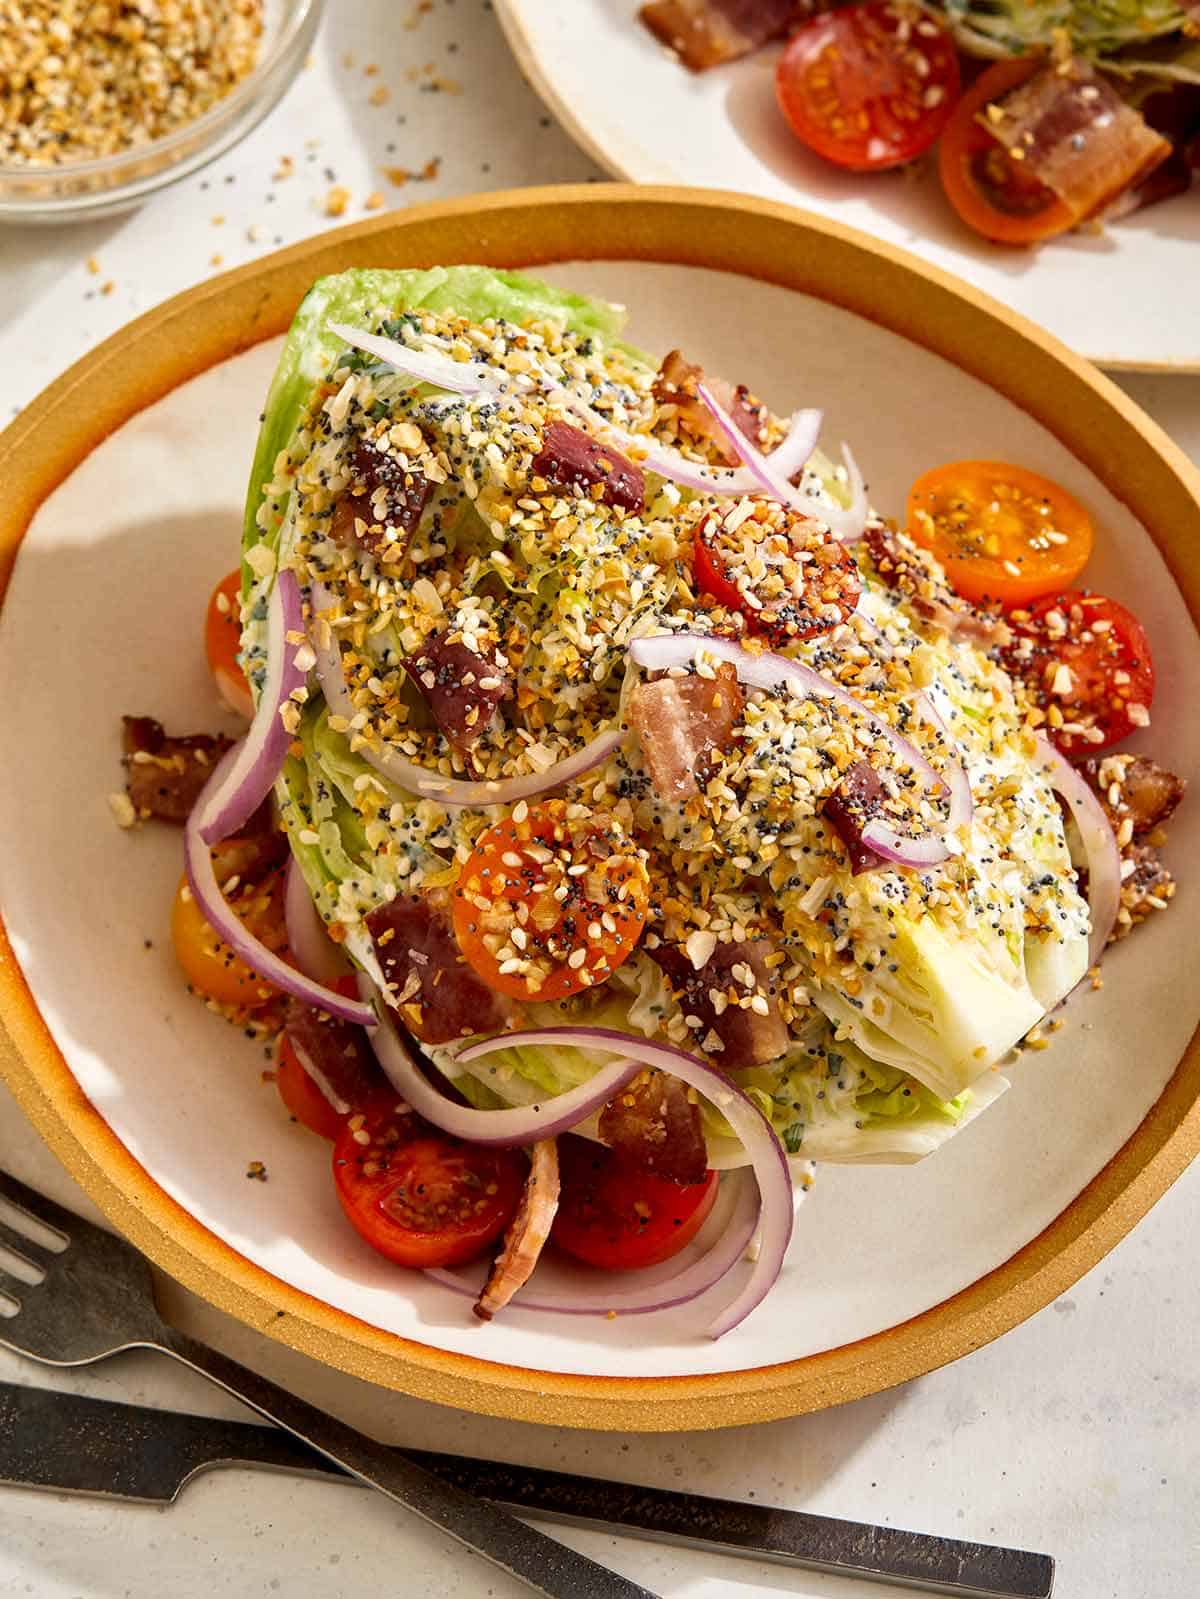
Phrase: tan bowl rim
pixel 530 228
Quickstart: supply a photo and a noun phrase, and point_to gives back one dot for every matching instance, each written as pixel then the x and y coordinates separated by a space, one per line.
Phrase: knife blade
pixel 69 1443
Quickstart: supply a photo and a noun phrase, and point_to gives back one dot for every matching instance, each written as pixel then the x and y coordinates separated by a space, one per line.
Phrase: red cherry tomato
pixel 778 567
pixel 1086 661
pixel 419 1197
pixel 620 1217
pixel 868 86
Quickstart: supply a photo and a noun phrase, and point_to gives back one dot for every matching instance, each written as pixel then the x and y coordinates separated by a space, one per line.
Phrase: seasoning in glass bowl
pixel 83 79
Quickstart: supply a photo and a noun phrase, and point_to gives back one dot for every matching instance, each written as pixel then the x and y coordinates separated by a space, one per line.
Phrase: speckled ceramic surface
pixel 158 1106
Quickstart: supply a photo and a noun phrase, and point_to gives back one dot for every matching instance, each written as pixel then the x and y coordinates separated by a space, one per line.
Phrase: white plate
pixel 1129 297
pixel 103 617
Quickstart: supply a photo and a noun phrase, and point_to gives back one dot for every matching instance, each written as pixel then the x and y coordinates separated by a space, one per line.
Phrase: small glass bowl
pixel 81 190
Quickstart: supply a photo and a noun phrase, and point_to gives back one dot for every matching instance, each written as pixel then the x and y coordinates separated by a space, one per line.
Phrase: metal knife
pixel 72 1444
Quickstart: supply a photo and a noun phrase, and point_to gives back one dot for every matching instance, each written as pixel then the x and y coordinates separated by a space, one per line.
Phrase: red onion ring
pixel 1099 843
pixel 638 1297
pixel 427 366
pixel 316 954
pixel 846 523
pixel 449 791
pixel 223 808
pixel 768 670
pixel 766 1153
pixel 225 922
pixel 491 1128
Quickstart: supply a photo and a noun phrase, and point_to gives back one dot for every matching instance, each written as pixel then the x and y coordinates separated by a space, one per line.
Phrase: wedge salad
pixel 629 816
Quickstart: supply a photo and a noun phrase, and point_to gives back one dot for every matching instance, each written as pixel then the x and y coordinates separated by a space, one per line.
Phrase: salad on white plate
pixel 629 817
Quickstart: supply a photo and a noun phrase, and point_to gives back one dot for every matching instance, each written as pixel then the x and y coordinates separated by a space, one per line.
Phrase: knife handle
pixel 543 1564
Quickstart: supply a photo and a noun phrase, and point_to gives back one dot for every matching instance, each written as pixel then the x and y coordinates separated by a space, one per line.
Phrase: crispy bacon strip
pixel 164 775
pixel 571 459
pixel 1071 131
pixel 681 720
pixel 438 996
pixel 461 687
pixel 718 1001
pixel 1136 787
pixel 677 385
pixel 707 33
pixel 385 493
pixel 527 1232
pixel 653 1124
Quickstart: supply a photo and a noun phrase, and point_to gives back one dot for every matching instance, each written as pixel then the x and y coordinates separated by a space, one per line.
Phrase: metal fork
pixel 71 1294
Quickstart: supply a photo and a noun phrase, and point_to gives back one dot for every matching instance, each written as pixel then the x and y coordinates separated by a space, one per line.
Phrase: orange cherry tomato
pixel 419 1196
pixel 620 1217
pixel 223 640
pixel 548 906
pixel 864 87
pixel 1002 533
pixel 983 183
pixel 210 965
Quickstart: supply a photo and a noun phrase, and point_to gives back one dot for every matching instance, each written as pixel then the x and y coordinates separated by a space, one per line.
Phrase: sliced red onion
pixel 962 801
pixel 249 778
pixel 767 479
pixel 631 1294
pixel 1099 843
pixel 316 954
pixel 766 1153
pixel 431 785
pixel 225 922
pixel 427 366
pixel 501 1128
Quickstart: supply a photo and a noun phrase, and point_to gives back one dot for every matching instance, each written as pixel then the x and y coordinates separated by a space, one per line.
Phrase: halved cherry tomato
pixel 212 968
pixel 223 640
pixel 868 86
pixel 546 905
pixel 1003 534
pixel 339 1052
pixel 619 1216
pixel 418 1196
pixel 778 567
pixel 1086 661
pixel 983 183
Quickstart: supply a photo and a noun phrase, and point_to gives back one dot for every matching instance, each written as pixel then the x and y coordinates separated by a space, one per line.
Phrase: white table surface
pixel 1077 1434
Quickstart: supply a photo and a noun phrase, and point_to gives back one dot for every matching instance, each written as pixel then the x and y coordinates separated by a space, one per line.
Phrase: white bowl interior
pixel 104 616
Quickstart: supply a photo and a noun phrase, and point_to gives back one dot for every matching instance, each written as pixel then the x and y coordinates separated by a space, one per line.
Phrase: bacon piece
pixel 405 493
pixel 527 1232
pixel 259 848
pixel 438 996
pixel 717 1001
pixel 1148 886
pixel 1136 787
pixel 571 459
pixel 707 33
pixel 677 384
pixel 903 566
pixel 1075 134
pixel 461 686
pixel 336 1056
pixel 164 775
pixel 848 810
pixel 681 720
pixel 653 1124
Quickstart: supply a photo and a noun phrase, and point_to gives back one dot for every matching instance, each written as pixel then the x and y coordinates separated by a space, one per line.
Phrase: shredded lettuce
pixel 1094 27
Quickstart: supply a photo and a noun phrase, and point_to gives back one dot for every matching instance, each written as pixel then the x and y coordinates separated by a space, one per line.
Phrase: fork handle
pixel 543 1564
